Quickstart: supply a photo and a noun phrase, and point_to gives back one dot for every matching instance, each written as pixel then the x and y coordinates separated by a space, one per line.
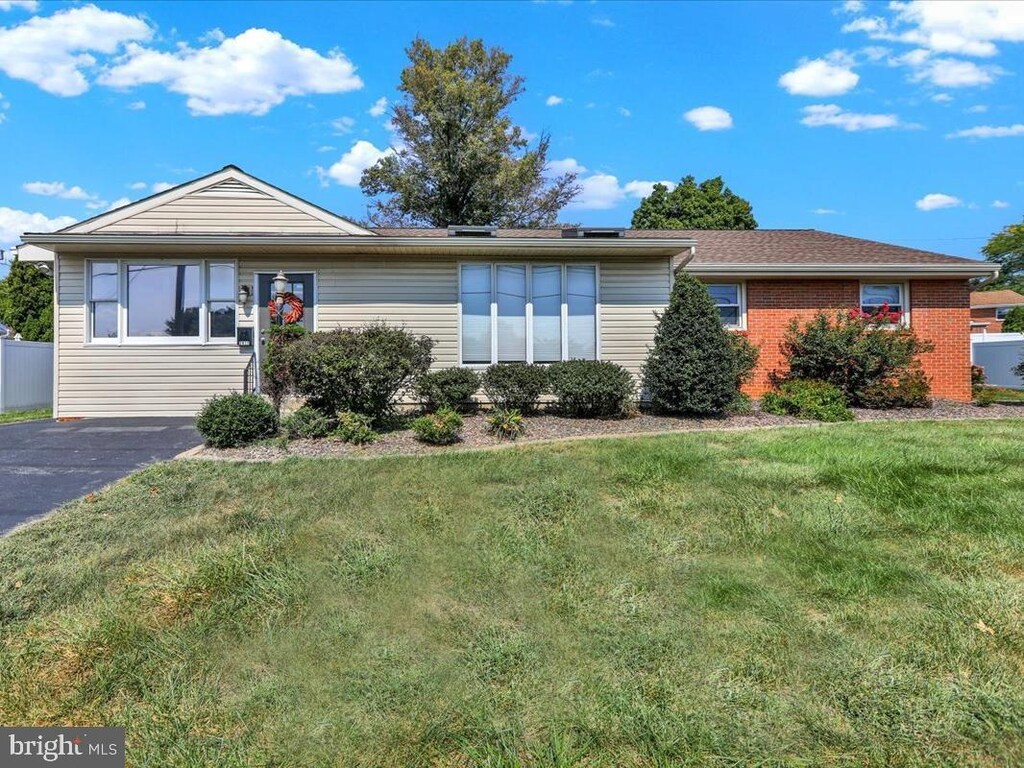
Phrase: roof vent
pixel 466 230
pixel 594 232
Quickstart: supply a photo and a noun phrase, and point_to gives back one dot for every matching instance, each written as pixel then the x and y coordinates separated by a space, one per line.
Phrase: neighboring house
pixel 5 332
pixel 989 309
pixel 155 298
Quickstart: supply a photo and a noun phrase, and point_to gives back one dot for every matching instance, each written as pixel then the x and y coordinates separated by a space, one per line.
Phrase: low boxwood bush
pixel 807 399
pixel 440 428
pixel 448 388
pixel 355 428
pixel 515 386
pixel 275 369
pixel 508 425
pixel 228 421
pixel 307 422
pixel 591 388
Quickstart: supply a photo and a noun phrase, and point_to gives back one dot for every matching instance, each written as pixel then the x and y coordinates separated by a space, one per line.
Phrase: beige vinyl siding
pixel 223 208
pixel 132 380
pixel 420 294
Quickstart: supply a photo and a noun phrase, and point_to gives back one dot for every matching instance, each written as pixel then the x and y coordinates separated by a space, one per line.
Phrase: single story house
pixel 162 303
pixel 989 309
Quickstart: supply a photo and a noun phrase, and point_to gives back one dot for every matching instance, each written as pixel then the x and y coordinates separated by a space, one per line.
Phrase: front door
pixel 299 283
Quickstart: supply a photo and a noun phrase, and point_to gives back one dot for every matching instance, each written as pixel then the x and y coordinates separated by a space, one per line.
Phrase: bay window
pixel 537 313
pixel 161 302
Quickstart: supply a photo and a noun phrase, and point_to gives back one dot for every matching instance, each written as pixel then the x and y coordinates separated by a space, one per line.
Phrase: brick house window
pixel 728 297
pixel 876 296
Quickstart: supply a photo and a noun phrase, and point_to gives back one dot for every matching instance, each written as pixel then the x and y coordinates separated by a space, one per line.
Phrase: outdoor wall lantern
pixel 280 286
pixel 244 294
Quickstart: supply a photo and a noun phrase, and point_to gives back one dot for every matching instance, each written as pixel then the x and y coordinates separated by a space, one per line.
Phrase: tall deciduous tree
pixel 1006 248
pixel 460 159
pixel 708 205
pixel 26 301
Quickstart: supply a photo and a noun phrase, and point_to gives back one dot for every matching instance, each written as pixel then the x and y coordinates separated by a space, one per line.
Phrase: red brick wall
pixel 988 315
pixel 939 312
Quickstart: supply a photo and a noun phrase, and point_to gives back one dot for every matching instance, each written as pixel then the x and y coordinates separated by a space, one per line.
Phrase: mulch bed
pixel 550 427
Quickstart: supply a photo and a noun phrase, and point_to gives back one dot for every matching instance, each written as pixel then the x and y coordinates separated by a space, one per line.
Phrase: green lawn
pixel 849 595
pixel 10 417
pixel 1006 395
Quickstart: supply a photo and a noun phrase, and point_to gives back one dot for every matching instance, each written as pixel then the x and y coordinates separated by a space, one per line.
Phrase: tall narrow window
pixel 163 300
pixel 103 300
pixel 727 298
pixel 511 284
pixel 547 314
pixel 476 313
pixel 220 294
pixel 581 297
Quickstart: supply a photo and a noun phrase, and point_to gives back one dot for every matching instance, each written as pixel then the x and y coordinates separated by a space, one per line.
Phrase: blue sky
pixel 901 122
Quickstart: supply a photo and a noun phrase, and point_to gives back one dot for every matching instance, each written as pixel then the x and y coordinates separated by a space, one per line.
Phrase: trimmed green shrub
pixel 275 370
pixel 515 386
pixel 355 428
pixel 1014 321
pixel 440 428
pixel 508 425
pixel 744 357
pixel 851 352
pixel 448 388
pixel 742 405
pixel 909 390
pixel 228 421
pixel 807 399
pixel 692 368
pixel 360 370
pixel 985 397
pixel 591 388
pixel 308 423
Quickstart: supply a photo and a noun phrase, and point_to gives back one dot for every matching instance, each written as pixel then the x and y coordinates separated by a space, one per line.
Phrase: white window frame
pixel 529 307
pixel 741 295
pixel 123 339
pixel 904 297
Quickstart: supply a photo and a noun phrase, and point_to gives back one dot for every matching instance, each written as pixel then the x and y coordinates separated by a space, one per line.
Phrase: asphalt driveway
pixel 46 463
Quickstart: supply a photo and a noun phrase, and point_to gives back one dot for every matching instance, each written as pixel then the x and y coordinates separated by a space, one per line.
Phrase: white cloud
pixel 326 148
pixel 640 189
pixel 819 115
pixel 349 169
pixel 26 5
pixel 568 165
pixel 161 186
pixel 942 98
pixel 119 203
pixel 709 118
pixel 977 109
pixel 965 28
pixel 954 73
pixel 247 74
pixel 824 211
pixel 832 75
pixel 988 132
pixel 380 106
pixel 937 200
pixel 553 101
pixel 625 112
pixel 215 35
pixel 52 51
pixel 598 192
pixel 15 223
pixel 137 105
pixel 602 21
pixel 343 125
pixel 57 189
pixel 138 185
pixel 1000 204
pixel 852 6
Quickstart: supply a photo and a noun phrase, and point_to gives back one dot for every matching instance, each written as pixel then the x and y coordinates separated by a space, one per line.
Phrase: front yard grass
pixel 10 417
pixel 849 595
pixel 1007 395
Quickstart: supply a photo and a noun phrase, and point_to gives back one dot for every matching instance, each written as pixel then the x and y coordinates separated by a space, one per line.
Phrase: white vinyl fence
pixel 26 375
pixel 998 353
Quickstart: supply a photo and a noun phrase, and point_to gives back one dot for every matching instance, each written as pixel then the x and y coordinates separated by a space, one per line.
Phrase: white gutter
pixel 953 269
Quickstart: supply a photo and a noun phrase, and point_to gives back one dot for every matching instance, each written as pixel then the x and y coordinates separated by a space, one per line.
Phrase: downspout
pixel 692 252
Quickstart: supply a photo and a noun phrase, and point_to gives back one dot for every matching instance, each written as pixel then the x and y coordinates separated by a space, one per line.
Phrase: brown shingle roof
pixel 752 246
pixel 996 299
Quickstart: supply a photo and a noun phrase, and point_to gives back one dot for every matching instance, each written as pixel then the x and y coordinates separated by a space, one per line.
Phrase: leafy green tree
pixel 692 367
pixel 460 158
pixel 1014 321
pixel 26 301
pixel 708 205
pixel 1006 248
